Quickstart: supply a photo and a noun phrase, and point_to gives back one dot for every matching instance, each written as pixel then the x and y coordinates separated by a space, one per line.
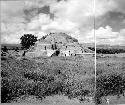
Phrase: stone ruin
pixel 57 44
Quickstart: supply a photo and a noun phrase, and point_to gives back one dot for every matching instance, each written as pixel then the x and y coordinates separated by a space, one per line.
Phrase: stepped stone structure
pixel 59 44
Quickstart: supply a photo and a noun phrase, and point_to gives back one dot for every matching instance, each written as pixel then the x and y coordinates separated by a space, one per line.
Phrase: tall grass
pixel 41 79
pixel 110 78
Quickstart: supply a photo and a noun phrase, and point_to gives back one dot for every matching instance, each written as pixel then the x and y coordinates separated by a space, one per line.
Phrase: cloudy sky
pixel 75 17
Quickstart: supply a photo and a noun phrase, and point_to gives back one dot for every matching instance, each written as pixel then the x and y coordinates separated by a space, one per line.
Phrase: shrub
pixel 26 77
pixel 112 84
pixel 34 76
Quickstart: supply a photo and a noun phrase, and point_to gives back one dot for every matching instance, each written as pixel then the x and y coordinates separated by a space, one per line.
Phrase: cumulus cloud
pixel 74 17
pixel 14 38
pixel 69 16
pixel 38 21
pixel 105 35
pixel 74 10
pixel 59 25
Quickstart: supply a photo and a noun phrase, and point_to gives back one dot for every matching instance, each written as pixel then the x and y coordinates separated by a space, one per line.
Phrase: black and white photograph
pixel 62 52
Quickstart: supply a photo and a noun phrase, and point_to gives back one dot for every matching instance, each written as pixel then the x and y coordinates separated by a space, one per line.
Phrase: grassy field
pixel 41 78
pixel 111 78
pixel 71 79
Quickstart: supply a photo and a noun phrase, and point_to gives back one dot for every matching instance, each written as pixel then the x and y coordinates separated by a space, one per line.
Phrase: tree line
pixel 108 50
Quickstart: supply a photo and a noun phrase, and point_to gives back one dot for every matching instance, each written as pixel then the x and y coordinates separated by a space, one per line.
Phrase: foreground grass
pixel 41 77
pixel 110 79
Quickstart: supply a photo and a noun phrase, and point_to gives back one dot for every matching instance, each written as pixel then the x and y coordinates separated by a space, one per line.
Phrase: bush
pixel 11 88
pixel 113 84
pixel 34 76
pixel 26 77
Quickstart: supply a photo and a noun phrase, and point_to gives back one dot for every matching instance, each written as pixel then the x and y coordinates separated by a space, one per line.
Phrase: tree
pixel 4 49
pixel 28 40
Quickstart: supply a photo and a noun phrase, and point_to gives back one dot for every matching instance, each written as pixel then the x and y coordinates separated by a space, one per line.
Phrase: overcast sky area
pixel 75 17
